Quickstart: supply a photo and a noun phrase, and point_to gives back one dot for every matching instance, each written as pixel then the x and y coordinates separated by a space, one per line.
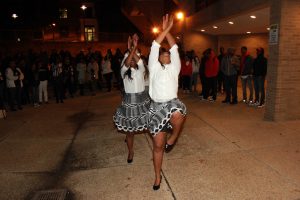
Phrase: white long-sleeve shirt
pixel 10 78
pixel 163 81
pixel 137 84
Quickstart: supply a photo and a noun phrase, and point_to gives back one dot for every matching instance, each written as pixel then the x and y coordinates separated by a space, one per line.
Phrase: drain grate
pixel 51 195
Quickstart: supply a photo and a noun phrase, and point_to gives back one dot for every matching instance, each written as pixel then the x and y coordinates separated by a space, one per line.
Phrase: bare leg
pixel 176 121
pixel 129 139
pixel 158 150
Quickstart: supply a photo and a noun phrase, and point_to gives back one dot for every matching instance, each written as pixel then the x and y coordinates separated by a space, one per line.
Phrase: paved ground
pixel 224 152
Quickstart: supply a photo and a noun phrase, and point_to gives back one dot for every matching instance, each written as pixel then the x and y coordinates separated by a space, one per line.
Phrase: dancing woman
pixel 132 115
pixel 166 110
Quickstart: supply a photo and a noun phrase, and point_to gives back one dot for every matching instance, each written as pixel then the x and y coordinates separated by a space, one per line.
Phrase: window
pixel 89 32
pixel 63 13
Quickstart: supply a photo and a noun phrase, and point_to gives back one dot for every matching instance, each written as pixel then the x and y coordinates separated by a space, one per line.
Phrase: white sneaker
pixel 261 105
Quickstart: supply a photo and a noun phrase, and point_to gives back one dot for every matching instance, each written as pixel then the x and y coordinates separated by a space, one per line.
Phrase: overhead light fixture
pixel 83 7
pixel 230 23
pixel 253 16
pixel 215 27
pixel 268 29
pixel 248 32
pixel 202 30
pixel 14 15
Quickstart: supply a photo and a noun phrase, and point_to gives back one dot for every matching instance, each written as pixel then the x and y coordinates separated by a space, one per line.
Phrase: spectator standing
pixel 58 80
pixel 186 73
pixel 259 73
pixel 107 71
pixel 229 67
pixel 221 87
pixel 196 67
pixel 11 77
pixel 81 70
pixel 34 82
pixel 202 72
pixel 43 86
pixel 246 70
pixel 211 74
pixel 93 75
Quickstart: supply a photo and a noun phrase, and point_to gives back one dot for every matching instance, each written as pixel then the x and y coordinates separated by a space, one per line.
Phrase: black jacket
pixel 260 66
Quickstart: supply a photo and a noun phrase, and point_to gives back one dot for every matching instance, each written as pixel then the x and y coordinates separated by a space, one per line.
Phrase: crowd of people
pixel 220 74
pixel 25 78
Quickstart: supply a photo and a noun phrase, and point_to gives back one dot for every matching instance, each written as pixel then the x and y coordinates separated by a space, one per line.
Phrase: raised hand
pixel 165 22
pixel 129 43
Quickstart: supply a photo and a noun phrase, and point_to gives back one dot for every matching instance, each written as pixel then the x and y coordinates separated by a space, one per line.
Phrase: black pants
pixel 108 79
pixel 203 83
pixel 59 90
pixel 210 88
pixel 221 86
pixel 186 82
pixel 12 97
pixel 231 88
pixel 259 87
pixel 1 96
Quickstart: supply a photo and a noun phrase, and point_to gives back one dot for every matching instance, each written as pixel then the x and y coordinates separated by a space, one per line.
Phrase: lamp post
pixel 83 7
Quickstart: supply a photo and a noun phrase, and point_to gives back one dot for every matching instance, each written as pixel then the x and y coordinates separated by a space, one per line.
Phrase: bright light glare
pixel 155 30
pixel 83 7
pixel 180 15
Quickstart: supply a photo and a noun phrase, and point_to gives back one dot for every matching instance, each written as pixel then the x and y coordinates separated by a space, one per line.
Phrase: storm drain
pixel 51 195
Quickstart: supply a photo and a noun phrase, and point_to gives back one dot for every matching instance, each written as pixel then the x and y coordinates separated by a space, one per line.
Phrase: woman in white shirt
pixel 166 111
pixel 132 115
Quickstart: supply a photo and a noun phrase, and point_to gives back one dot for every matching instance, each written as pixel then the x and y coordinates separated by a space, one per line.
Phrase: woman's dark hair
pixel 144 59
pixel 128 72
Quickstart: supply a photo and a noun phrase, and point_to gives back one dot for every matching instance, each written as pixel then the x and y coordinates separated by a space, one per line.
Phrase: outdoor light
pixel 202 30
pixel 248 32
pixel 215 27
pixel 83 7
pixel 268 29
pixel 253 16
pixel 14 16
pixel 231 23
pixel 155 30
pixel 53 24
pixel 179 15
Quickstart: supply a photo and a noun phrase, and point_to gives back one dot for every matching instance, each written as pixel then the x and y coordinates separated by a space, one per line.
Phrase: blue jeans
pixel 259 87
pixel 247 82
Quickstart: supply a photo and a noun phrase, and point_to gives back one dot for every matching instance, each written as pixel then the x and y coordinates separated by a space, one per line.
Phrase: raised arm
pixel 132 53
pixel 167 24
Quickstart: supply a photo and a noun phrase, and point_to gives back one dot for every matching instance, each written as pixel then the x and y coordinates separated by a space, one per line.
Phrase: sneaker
pixel 36 105
pixel 261 105
pixel 256 103
pixel 250 103
pixel 212 100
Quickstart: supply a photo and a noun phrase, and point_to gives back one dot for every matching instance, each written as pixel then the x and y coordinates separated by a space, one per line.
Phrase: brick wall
pixel 199 42
pixel 252 42
pixel 284 67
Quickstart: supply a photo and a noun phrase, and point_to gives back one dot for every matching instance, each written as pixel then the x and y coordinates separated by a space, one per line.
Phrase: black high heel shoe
pixel 157 187
pixel 129 160
pixel 169 147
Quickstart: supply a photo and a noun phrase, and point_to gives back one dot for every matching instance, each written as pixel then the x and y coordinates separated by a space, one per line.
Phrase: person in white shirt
pixel 11 79
pixel 81 69
pixel 93 75
pixel 107 71
pixel 132 115
pixel 166 111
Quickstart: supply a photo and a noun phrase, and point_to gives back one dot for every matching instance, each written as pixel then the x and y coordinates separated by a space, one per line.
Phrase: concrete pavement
pixel 224 152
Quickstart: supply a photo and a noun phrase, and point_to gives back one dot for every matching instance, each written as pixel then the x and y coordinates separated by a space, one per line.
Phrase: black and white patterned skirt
pixel 133 114
pixel 160 114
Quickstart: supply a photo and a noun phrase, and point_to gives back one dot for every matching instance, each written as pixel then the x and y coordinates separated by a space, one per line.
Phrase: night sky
pixel 40 13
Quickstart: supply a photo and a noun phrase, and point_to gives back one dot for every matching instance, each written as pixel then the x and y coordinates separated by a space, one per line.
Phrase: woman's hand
pixel 129 43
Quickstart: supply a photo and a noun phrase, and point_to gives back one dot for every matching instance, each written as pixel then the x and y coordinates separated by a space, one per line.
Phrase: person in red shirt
pixel 186 73
pixel 211 74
